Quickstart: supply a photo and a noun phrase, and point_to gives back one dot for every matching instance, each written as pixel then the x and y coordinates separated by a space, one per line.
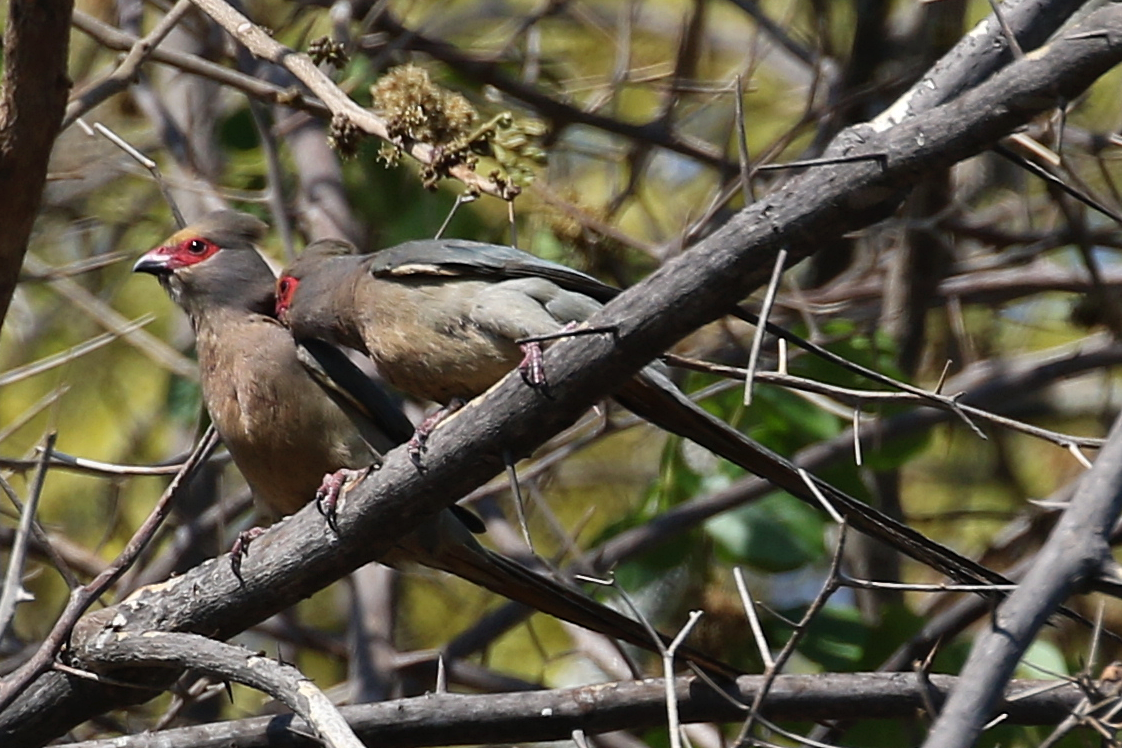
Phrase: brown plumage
pixel 285 431
pixel 442 319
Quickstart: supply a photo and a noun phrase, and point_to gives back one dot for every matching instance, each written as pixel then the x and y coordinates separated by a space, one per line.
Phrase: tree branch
pixel 1076 550
pixel 443 719
pixel 301 555
pixel 32 99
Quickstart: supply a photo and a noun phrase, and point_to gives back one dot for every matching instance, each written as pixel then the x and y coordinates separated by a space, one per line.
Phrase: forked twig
pixel 82 597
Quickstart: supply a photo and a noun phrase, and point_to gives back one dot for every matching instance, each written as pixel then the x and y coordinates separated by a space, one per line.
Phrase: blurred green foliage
pixel 123 407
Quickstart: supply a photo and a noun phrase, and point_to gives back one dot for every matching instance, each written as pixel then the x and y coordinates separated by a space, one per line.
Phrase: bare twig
pixel 11 376
pixel 753 619
pixel 128 69
pixel 264 46
pixel 152 167
pixel 83 597
pixel 112 38
pixel 828 588
pixel 229 662
pixel 13 591
pixel 854 397
pixel 761 329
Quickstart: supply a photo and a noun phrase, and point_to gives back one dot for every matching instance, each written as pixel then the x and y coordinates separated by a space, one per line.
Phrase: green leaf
pixel 778 533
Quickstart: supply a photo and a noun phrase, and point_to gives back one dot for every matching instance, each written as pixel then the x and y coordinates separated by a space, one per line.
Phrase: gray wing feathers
pixel 528 307
pixel 466 258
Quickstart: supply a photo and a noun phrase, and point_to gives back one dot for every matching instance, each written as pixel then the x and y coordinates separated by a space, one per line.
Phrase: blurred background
pixel 622 126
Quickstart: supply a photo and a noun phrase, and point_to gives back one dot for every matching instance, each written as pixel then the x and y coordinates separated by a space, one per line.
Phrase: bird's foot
pixel 532 368
pixel 332 489
pixel 240 548
pixel 418 443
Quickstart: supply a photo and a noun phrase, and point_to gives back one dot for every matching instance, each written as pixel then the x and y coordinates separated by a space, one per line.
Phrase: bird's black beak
pixel 154 262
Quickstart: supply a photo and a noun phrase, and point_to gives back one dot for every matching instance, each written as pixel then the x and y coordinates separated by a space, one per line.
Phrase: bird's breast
pixel 280 429
pixel 425 342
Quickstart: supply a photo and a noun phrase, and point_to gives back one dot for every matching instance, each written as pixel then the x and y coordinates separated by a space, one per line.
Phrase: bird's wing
pixel 373 411
pixel 459 257
pixel 527 307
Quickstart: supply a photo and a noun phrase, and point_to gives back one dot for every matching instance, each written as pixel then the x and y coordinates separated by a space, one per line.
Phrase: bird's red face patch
pixel 179 251
pixel 286 287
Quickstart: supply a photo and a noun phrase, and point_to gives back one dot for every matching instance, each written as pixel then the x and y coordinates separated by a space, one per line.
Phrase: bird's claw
pixel 416 447
pixel 240 548
pixel 532 367
pixel 331 490
pixel 418 443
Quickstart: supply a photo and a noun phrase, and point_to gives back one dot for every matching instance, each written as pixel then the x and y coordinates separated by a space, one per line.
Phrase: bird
pixel 445 319
pixel 291 427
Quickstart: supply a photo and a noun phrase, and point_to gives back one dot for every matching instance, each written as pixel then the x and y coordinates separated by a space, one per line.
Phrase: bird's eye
pixel 196 246
pixel 284 287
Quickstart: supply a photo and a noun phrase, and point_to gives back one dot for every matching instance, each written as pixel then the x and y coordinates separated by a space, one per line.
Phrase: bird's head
pixel 286 289
pixel 213 263
pixel 306 264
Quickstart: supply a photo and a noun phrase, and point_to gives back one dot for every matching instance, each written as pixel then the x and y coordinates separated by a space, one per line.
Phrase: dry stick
pixel 11 376
pixel 746 185
pixel 113 38
pixel 125 73
pixel 78 267
pixel 761 329
pixel 950 402
pixel 461 199
pixel 152 167
pixel 519 504
pixel 274 195
pixel 1083 711
pixel 13 592
pixel 850 395
pixel 81 598
pixel 673 721
pixel 82 464
pixel 63 554
pixel 867 584
pixel 1007 31
pixel 441 674
pixel 35 409
pixel 254 38
pixel 791 735
pixel 1039 171
pixel 61 565
pixel 857 434
pixel 229 662
pixel 753 618
pixel 828 589
pixel 1096 637
pixel 666 653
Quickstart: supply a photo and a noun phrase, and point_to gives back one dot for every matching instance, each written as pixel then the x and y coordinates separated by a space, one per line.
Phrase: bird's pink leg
pixel 532 368
pixel 331 490
pixel 416 445
pixel 240 548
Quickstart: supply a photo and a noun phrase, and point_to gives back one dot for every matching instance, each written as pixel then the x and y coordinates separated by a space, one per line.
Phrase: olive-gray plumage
pixel 285 431
pixel 442 320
